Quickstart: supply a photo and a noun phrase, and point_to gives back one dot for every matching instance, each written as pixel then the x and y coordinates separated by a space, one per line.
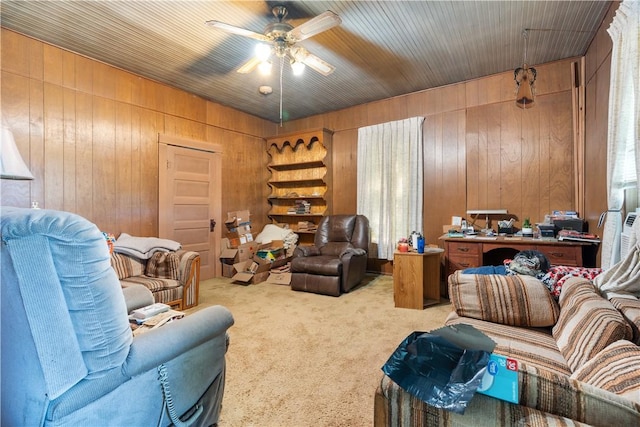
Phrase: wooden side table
pixel 416 278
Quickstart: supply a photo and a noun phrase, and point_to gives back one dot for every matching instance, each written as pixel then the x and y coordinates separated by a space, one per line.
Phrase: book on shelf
pixel 301 207
pixel 306 226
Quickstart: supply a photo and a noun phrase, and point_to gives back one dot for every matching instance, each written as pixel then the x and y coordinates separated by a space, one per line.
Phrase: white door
pixel 189 199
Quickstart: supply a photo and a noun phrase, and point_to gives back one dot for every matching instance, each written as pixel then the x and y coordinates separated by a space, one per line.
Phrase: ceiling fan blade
pixel 249 66
pixel 317 64
pixel 236 30
pixel 320 23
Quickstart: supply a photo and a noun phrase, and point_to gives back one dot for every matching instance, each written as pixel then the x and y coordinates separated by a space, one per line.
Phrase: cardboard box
pixel 274 251
pixel 279 278
pixel 237 261
pixel 237 218
pixel 240 230
pixel 274 244
pixel 228 254
pixel 246 251
pixel 228 270
pixel 236 239
pixel 233 255
pixel 249 278
pixel 280 262
pixel 227 258
pixel 252 271
pixel 243 251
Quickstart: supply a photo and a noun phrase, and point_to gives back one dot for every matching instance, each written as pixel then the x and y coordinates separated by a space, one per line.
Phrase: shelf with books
pixel 300 179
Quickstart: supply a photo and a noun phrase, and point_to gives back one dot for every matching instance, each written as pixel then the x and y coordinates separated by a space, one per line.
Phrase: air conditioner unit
pixel 627 232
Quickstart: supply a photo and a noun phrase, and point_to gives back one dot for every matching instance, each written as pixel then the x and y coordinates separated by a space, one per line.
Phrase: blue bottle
pixel 420 245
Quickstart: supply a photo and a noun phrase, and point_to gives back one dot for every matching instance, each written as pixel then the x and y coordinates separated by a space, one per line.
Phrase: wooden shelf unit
pixel 300 170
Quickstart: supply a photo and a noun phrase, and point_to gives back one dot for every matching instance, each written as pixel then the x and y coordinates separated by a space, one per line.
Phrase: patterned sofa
pixel 172 277
pixel 579 360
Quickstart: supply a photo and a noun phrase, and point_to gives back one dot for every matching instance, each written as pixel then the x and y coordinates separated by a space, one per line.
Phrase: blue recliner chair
pixel 68 354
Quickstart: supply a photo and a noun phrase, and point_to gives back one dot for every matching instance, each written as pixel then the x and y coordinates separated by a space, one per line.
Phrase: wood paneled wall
pixel 598 67
pixel 89 132
pixel 480 150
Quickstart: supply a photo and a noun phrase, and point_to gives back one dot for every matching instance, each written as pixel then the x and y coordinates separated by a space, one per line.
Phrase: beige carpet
pixel 299 359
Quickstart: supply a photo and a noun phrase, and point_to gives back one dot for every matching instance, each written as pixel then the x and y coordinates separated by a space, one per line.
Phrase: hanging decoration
pixel 525 78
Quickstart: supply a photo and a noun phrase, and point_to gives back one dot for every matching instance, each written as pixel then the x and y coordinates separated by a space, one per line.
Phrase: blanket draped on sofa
pixel 623 279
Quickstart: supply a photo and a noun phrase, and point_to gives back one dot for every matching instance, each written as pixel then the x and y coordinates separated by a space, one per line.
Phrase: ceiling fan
pixel 282 39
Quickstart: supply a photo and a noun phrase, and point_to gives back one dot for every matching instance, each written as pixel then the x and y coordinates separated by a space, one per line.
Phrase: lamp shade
pixel 11 164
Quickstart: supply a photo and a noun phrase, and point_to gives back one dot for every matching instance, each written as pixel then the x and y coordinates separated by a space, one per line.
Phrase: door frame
pixel 216 195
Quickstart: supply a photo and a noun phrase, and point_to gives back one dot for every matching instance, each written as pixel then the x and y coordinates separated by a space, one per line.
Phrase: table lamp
pixel 11 164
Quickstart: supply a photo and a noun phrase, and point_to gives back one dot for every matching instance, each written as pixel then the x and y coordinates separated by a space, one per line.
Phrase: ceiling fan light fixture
pixel 280 39
pixel 263 52
pixel 297 68
pixel 265 68
pixel 280 47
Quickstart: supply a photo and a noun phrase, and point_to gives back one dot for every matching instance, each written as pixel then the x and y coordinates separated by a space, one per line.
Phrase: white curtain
pixel 624 119
pixel 390 181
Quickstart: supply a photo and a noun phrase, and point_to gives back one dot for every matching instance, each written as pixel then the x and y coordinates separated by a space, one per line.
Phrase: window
pixel 390 181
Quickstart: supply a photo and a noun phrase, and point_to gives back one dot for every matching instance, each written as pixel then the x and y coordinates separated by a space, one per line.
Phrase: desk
pixel 464 252
pixel 416 278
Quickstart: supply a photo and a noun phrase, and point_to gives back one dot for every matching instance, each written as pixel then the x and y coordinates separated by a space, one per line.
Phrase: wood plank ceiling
pixel 380 50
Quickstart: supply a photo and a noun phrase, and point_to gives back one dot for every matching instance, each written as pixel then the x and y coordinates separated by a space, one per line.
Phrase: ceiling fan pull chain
pixel 281 67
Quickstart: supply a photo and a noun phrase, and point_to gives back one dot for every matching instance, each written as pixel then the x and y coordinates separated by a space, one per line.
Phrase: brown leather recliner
pixel 337 261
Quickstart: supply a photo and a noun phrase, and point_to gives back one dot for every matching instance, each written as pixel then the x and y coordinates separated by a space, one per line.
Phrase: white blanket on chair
pixel 143 247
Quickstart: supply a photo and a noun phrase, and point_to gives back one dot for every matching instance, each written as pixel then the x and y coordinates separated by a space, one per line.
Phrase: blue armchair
pixel 68 354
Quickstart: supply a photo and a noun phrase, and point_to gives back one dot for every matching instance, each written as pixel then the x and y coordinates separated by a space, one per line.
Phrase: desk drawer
pixel 462 262
pixel 464 249
pixel 461 255
pixel 558 255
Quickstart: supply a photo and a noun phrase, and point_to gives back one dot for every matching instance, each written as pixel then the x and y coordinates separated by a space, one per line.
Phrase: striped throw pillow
pixel 629 307
pixel 517 300
pixel 127 266
pixel 614 369
pixel 588 323
pixel 163 265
